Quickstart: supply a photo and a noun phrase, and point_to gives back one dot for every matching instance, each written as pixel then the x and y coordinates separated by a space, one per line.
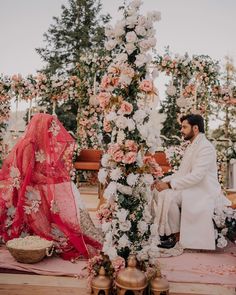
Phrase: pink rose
pixel 126 108
pixel 131 145
pixel 129 158
pixel 106 81
pixel 146 86
pixel 107 126
pixel 118 156
pixel 113 148
pixel 104 99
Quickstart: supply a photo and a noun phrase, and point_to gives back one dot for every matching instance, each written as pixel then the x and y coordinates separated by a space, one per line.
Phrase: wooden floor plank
pixel 19 284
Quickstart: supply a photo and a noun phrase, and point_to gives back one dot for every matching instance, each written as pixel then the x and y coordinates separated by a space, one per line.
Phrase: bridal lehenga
pixel 37 196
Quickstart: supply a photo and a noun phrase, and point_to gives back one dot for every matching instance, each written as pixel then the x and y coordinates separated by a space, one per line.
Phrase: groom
pixel 185 200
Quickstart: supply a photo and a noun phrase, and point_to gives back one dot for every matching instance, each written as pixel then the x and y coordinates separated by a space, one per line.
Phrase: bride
pixel 37 196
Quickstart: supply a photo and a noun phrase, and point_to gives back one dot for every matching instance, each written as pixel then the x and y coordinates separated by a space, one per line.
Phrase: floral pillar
pixel 132 127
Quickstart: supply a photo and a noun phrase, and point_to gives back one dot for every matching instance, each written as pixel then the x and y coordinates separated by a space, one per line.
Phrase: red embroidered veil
pixel 36 193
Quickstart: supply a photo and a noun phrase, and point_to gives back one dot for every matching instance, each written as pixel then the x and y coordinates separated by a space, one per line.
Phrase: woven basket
pixel 29 255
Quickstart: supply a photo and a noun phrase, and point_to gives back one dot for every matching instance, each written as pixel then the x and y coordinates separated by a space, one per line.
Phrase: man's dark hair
pixel 194 120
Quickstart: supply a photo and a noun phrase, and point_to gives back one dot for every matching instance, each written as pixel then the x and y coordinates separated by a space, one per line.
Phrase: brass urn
pixel 131 279
pixel 101 283
pixel 159 285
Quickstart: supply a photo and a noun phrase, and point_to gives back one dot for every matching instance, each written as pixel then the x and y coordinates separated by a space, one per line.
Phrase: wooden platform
pixel 19 284
pixel 27 284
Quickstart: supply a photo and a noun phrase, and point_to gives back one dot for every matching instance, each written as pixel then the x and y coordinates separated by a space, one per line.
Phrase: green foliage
pixel 79 28
pixel 170 108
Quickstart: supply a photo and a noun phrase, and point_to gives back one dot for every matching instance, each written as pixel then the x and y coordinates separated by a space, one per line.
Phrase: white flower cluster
pixel 223 219
pixel 139 38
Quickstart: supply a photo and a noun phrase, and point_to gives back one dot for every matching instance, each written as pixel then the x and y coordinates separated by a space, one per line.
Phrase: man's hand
pixel 161 185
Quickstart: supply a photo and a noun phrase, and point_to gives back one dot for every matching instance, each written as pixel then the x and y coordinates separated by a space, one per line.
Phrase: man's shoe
pixel 168 242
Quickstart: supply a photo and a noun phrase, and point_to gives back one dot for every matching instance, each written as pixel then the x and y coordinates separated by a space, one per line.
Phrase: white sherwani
pixel 197 184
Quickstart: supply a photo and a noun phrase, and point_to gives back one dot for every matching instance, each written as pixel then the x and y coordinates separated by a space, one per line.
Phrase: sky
pixel 193 26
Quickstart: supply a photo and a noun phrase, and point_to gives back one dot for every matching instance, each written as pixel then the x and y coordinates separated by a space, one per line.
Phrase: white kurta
pixel 197 182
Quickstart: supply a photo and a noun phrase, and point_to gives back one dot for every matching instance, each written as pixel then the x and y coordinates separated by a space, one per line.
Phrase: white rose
pixel 119 30
pixel 131 11
pixel 112 253
pixel 121 58
pixel 142 255
pixel 125 80
pixel 139 116
pixel 109 31
pixel 171 90
pixel 131 37
pixel 132 179
pixel 102 175
pixel 121 122
pixel 142 226
pixel 105 160
pixel 125 226
pixel 142 59
pixel 140 30
pixel 131 21
pixel 136 4
pixel 130 47
pixel 120 136
pixel 124 242
pixel 106 226
pixel 143 130
pixel 124 189
pixel 110 190
pixel 139 159
pixel 122 215
pixel 110 44
pixel 111 116
pixel 222 242
pixel 181 102
pixel 116 174
pixel 144 45
pixel 131 124
pixel 142 21
pixel 148 179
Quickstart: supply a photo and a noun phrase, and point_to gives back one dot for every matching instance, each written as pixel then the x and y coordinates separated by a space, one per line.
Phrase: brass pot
pixel 131 278
pixel 101 283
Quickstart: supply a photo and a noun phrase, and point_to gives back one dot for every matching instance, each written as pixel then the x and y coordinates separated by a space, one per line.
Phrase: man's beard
pixel 188 136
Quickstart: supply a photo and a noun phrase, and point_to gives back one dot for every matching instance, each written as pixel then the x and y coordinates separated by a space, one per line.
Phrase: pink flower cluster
pixel 118 264
pixel 104 214
pixel 125 153
pixel 189 90
pixel 152 166
pixel 147 86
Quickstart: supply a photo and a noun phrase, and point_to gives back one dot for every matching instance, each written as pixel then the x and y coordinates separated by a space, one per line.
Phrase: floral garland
pixel 225 226
pixel 4 113
pixel 222 168
pixel 175 154
pixel 196 77
pixel 90 116
pixel 126 94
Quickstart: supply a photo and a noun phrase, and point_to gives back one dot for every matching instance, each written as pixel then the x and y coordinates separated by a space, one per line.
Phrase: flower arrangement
pixel 175 154
pixel 222 167
pixel 112 267
pixel 225 226
pixel 196 77
pixel 133 127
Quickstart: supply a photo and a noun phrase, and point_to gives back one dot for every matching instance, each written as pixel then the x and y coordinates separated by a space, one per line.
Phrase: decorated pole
pixel 132 125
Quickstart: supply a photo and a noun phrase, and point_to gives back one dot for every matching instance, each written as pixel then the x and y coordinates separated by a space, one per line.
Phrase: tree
pixel 171 109
pixel 79 28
